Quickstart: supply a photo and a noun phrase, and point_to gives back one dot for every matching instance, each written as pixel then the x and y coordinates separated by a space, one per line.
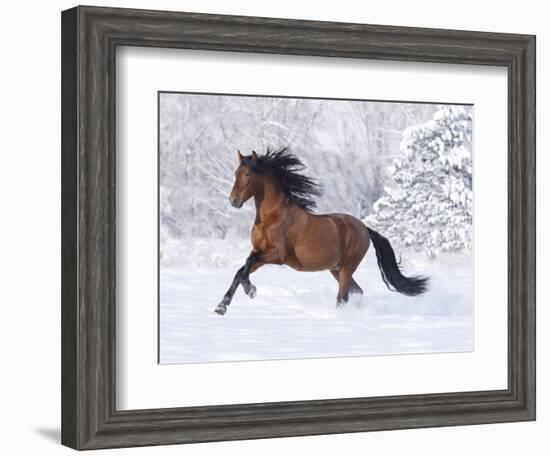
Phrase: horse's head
pixel 246 181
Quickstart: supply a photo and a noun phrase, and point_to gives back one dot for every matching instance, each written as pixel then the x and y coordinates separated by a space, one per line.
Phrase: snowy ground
pixel 294 315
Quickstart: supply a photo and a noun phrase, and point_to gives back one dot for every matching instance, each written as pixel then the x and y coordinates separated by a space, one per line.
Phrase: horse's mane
pixel 285 166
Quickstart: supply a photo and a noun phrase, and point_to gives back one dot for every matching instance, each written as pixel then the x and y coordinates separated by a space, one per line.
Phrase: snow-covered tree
pixel 428 205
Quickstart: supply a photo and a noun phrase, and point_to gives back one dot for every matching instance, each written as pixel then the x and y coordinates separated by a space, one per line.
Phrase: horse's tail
pixel 391 274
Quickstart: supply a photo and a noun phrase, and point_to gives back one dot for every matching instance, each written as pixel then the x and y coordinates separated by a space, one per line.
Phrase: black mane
pixel 285 166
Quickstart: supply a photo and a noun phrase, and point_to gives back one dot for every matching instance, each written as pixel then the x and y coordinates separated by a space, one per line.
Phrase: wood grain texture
pixel 69 229
pixel 90 36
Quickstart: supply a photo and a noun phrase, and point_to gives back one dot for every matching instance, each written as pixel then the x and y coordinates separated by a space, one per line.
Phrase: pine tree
pixel 428 207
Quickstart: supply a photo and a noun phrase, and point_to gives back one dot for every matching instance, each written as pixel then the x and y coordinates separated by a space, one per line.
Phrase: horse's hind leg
pixel 354 288
pixel 344 280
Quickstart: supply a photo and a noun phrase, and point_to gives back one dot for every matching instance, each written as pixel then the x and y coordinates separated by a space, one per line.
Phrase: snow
pixel 410 163
pixel 294 314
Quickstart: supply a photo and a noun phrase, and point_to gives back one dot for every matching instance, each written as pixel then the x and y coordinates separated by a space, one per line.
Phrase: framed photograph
pixel 279 228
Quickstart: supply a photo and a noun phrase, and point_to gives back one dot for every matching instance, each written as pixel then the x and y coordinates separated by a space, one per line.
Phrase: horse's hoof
pixel 220 309
pixel 251 291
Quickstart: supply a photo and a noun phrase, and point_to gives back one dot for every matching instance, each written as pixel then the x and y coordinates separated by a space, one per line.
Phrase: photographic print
pixel 294 228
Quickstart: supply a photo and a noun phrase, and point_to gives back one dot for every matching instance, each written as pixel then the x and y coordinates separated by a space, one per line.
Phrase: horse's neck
pixel 269 199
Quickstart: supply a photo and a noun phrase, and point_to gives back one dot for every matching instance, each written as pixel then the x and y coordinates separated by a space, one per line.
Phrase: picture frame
pixel 90 36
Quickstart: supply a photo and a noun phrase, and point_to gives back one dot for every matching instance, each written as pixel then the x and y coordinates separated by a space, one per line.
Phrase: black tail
pixel 391 274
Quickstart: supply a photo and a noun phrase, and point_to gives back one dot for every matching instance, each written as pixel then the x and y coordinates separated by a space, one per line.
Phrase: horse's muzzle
pixel 235 202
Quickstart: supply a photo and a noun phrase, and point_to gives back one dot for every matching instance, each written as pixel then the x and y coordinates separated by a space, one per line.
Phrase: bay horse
pixel 287 232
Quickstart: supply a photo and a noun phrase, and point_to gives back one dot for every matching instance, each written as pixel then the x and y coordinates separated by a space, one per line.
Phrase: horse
pixel 286 230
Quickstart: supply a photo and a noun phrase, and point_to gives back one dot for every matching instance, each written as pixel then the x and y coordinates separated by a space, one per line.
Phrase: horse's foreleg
pixel 248 287
pixel 241 277
pixel 255 261
pixel 221 308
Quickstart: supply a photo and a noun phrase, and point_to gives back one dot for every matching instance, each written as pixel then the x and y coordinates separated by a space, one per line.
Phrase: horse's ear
pixel 254 156
pixel 240 156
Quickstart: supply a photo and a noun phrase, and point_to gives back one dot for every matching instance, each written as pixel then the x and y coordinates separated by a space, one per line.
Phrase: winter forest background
pixel 405 169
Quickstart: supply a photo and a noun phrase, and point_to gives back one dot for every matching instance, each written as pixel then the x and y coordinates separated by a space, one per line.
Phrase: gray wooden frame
pixel 90 36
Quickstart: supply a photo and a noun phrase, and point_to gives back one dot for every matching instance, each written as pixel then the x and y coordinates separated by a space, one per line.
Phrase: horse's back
pixel 352 231
pixel 354 238
pixel 347 225
pixel 327 241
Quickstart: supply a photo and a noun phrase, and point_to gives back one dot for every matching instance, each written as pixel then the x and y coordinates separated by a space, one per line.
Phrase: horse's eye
pixel 247 173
